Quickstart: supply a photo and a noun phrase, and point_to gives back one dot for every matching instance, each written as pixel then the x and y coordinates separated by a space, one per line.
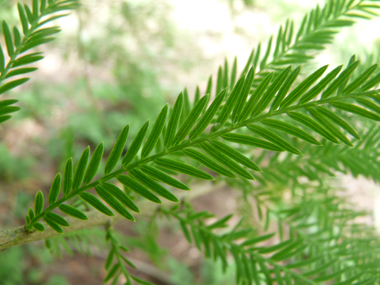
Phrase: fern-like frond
pixel 80 241
pixel 317 29
pixel 306 113
pixel 116 262
pixel 270 110
pixel 298 46
pixel 293 260
pixel 33 35
pixel 327 222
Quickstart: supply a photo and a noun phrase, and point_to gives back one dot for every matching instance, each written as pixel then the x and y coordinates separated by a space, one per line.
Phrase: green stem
pixel 188 144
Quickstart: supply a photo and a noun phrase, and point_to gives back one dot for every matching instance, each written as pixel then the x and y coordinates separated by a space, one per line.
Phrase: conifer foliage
pixel 304 125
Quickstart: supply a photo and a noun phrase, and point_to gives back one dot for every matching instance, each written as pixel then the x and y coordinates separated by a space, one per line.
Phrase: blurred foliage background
pixel 117 62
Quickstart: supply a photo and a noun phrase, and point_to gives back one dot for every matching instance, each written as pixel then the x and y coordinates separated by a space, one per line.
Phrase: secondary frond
pixel 297 47
pixel 291 260
pixel 116 262
pixel 317 29
pixel 78 241
pixel 32 22
pixel 326 221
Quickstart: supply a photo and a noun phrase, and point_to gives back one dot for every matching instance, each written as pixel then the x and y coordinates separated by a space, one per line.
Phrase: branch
pixel 19 236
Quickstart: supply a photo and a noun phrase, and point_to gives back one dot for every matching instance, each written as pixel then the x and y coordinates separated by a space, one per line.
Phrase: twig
pixel 18 236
